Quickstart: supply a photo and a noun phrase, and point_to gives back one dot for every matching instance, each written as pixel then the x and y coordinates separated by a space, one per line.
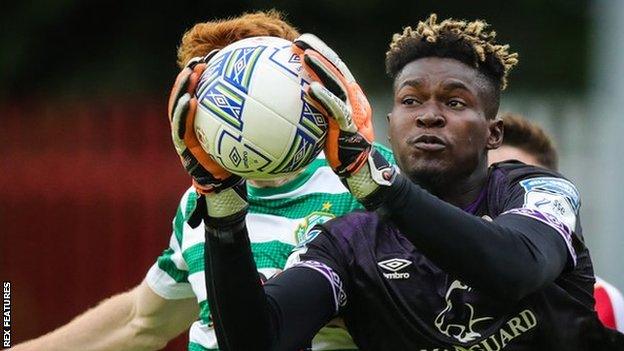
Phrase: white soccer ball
pixel 252 115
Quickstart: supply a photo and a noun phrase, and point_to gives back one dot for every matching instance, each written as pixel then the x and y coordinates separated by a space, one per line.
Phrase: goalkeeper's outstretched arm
pixel 135 320
pixel 284 314
pixel 511 256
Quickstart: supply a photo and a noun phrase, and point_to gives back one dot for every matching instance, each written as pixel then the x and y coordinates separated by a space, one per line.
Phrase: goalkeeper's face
pixel 438 127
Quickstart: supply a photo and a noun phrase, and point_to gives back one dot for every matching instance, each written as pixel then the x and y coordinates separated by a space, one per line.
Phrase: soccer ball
pixel 253 117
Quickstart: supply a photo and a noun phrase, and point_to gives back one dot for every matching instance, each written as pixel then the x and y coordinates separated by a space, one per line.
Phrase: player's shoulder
pixel 516 171
pixel 352 225
pixel 339 237
pixel 542 194
pixel 515 174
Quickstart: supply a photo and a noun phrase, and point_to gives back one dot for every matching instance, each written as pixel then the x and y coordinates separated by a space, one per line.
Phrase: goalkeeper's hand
pixel 348 147
pixel 226 193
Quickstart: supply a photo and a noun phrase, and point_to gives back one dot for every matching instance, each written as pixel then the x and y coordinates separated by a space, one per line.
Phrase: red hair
pixel 207 36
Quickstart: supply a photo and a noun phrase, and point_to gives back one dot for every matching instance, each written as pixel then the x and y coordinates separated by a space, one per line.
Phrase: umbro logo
pixel 394 265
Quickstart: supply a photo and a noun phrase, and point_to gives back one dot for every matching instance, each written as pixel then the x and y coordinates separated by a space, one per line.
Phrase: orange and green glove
pixel 348 147
pixel 225 192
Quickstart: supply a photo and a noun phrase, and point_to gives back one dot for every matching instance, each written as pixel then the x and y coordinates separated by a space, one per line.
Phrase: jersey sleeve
pixel 549 199
pixel 319 251
pixel 168 276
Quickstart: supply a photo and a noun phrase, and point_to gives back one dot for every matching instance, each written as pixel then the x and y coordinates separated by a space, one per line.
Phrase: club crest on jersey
pixel 393 266
pixel 554 196
pixel 302 233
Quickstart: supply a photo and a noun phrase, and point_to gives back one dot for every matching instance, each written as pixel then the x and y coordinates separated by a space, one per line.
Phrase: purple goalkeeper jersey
pixel 393 297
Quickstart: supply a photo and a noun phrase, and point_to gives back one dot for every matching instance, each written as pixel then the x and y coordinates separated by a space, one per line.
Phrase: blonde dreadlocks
pixel 468 42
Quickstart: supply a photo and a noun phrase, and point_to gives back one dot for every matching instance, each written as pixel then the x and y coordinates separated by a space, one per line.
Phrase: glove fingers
pixel 193 79
pixel 311 41
pixel 208 176
pixel 208 163
pixel 180 87
pixel 210 55
pixel 193 145
pixel 321 70
pixel 349 92
pixel 178 122
pixel 183 84
pixel 361 112
pixel 183 124
pixel 336 108
pixel 187 103
pixel 331 147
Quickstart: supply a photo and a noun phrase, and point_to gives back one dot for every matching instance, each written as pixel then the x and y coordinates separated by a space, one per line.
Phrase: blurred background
pixel 89 181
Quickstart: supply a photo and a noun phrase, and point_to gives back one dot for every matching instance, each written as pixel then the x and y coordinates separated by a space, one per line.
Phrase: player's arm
pixel 284 314
pixel 247 316
pixel 135 320
pixel 510 257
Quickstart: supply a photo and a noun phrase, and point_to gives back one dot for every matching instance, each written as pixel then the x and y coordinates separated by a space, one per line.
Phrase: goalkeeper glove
pixel 225 192
pixel 348 147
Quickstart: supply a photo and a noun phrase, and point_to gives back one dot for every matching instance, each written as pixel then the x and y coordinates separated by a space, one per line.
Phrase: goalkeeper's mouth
pixel 428 142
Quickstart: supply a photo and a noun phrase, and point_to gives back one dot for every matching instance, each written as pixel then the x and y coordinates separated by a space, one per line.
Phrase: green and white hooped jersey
pixel 277 220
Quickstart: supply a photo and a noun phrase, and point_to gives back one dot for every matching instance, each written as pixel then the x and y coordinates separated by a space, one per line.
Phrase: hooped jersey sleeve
pixel 545 197
pixel 168 276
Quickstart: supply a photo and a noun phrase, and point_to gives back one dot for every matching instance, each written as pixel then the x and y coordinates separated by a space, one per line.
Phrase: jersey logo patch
pixel 311 235
pixel 302 233
pixel 394 265
pixel 555 196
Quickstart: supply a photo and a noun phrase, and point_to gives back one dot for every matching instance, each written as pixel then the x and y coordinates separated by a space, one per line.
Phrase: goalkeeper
pixel 451 255
pixel 173 295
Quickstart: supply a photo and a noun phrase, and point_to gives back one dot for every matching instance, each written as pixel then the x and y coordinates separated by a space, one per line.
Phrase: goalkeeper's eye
pixel 456 104
pixel 410 101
